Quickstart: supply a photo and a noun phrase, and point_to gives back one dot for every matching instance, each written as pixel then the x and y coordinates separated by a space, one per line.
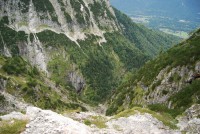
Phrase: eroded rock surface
pixel 14 115
pixel 190 122
pixel 48 122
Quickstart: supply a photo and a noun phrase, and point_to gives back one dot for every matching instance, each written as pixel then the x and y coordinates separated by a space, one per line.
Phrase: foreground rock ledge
pixel 48 122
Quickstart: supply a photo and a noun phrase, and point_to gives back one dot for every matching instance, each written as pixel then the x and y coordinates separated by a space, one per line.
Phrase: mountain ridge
pixel 167 75
pixel 70 62
pixel 44 35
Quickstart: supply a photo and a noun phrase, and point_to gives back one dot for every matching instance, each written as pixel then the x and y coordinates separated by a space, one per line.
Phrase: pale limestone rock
pixel 48 122
pixel 34 52
pixel 143 124
pixel 14 115
pixel 190 122
pixel 13 101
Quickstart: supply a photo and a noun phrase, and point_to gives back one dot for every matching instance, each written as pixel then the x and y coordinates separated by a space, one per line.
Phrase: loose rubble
pixel 48 122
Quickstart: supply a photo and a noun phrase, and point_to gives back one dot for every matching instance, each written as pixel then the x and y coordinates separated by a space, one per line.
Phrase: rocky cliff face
pixel 34 52
pixel 73 42
pixel 73 18
pixel 171 82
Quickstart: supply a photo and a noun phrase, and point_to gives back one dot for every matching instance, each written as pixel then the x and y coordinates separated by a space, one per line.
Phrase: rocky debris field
pixel 48 122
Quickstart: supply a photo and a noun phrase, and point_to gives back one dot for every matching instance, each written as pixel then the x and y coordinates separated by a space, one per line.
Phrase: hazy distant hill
pixel 176 8
pixel 176 15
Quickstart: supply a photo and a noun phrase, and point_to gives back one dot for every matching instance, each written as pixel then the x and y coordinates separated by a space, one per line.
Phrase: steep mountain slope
pixel 169 83
pixel 62 55
pixel 148 41
pixel 77 44
pixel 20 83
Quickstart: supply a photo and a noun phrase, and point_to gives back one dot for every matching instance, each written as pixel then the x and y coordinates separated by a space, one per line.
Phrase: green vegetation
pixel 100 68
pixel 156 84
pixel 2 101
pixel 185 54
pixel 46 6
pixel 161 108
pixel 10 37
pixel 98 121
pixel 175 78
pixel 12 127
pixel 24 6
pixel 187 96
pixel 131 57
pixel 147 40
pixel 67 16
pixel 87 122
pixel 99 8
pixel 76 5
pixel 16 66
pixel 26 82
pixel 134 94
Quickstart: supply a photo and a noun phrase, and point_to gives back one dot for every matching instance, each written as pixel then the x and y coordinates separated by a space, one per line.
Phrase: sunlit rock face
pixel 73 18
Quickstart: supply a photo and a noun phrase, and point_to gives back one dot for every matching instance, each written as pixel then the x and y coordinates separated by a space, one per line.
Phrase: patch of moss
pixel 99 121
pixel 12 127
pixel 87 122
pixel 161 108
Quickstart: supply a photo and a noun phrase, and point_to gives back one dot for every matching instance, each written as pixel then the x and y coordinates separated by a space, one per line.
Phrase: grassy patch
pixel 87 122
pixel 125 113
pixel 12 127
pixel 99 121
pixel 163 109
